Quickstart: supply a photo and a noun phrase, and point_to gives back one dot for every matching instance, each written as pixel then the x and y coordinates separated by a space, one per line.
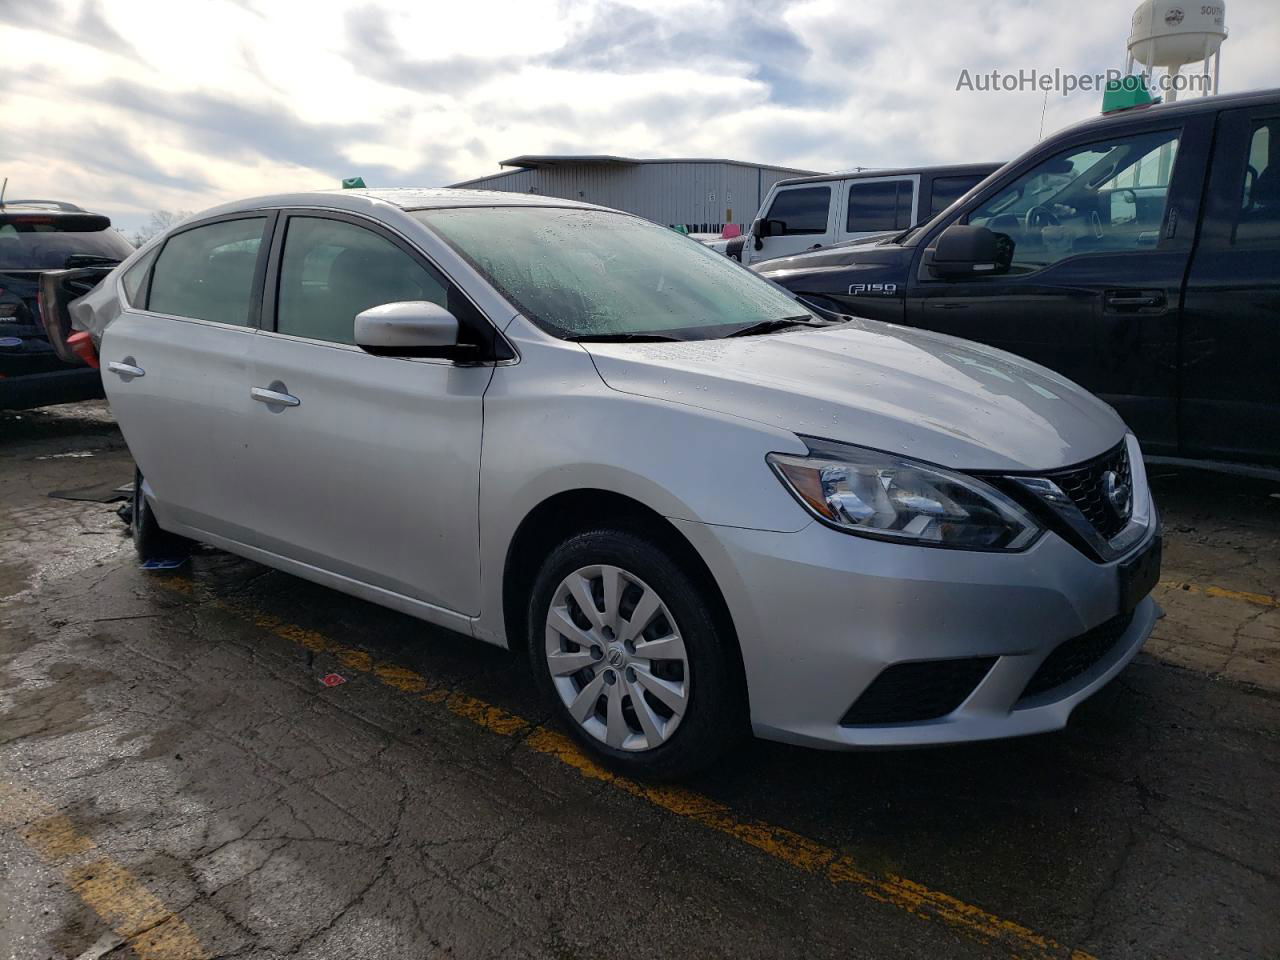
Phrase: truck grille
pixel 1084 485
pixel 1073 657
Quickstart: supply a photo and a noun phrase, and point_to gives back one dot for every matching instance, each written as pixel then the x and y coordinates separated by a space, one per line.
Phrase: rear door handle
pixel 273 398
pixel 126 370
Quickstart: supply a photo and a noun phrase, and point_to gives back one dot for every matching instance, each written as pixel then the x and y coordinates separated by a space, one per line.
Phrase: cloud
pixel 143 108
pixel 373 45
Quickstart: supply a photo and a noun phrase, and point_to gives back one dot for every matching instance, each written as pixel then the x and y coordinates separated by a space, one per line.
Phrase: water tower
pixel 1169 34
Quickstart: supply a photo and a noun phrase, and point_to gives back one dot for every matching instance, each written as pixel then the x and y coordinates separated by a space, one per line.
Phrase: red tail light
pixel 83 346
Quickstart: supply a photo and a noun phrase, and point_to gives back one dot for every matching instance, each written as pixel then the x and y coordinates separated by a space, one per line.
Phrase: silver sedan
pixel 696 505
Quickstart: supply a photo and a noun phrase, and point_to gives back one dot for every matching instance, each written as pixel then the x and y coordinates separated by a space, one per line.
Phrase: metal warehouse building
pixel 701 194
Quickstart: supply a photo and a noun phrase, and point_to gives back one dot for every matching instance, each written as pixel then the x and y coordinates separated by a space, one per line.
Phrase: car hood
pixel 925 395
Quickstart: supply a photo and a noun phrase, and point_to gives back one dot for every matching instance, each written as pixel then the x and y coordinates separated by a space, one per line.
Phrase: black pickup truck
pixel 1137 253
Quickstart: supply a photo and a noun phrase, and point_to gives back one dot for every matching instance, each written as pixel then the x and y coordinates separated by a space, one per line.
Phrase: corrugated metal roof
pixel 535 160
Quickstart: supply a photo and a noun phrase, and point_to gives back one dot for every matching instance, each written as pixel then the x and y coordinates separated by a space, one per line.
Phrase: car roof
pixel 937 170
pixel 1177 108
pixel 369 199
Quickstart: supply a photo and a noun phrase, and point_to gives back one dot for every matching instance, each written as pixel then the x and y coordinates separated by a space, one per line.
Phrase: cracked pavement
pixel 181 748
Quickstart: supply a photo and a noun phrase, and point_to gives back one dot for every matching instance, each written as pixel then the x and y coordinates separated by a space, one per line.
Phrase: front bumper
pixel 820 614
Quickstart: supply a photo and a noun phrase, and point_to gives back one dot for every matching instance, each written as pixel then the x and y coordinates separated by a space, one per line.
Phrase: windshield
pixel 26 244
pixel 591 273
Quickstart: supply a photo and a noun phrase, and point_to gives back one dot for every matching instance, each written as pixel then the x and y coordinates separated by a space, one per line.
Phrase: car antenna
pixel 3 187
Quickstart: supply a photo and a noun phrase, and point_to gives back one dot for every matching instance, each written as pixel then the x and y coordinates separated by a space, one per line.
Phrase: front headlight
pixel 893 498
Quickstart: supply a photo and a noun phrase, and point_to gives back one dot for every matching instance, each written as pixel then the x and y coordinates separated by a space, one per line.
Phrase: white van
pixel 807 213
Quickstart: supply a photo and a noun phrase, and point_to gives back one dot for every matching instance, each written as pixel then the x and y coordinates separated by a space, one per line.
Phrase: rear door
pixel 370 469
pixel 799 218
pixel 1100 233
pixel 175 365
pixel 1231 352
pixel 878 205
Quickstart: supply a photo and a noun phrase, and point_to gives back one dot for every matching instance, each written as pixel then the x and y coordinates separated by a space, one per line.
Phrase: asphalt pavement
pixel 228 761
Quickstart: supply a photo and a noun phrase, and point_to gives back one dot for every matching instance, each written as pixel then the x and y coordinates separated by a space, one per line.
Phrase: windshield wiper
pixel 623 338
pixel 769 326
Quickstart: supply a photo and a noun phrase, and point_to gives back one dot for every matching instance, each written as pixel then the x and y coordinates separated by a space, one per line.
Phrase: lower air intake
pixel 912 692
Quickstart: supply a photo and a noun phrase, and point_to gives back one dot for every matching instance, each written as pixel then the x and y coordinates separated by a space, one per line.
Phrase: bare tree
pixel 160 221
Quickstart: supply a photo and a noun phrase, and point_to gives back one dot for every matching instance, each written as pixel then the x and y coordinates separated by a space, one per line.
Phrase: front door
pixel 1098 237
pixel 369 466
pixel 799 218
pixel 1231 353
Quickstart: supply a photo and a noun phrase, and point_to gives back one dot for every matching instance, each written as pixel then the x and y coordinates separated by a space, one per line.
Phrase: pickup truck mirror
pixel 964 250
pixel 413 328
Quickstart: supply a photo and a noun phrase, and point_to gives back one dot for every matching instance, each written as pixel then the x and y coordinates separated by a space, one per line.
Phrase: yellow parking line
pixel 780 843
pixel 1259 599
pixel 147 926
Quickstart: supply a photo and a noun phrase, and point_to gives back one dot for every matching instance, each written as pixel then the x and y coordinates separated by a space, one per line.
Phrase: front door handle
pixel 1134 299
pixel 127 369
pixel 272 397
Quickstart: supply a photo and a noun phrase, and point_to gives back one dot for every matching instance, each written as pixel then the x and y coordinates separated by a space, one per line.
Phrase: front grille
pixel 1073 657
pixel 1083 484
pixel 922 690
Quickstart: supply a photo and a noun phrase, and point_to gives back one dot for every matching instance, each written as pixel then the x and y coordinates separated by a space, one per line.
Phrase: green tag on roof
pixel 1126 93
pixel 681 228
pixel 353 183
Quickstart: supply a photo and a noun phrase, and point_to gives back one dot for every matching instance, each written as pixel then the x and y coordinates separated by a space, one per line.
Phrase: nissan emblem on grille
pixel 1118 494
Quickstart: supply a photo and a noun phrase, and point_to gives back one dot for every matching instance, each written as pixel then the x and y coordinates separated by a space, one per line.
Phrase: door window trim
pixel 504 352
pixel 271 217
pixel 842 219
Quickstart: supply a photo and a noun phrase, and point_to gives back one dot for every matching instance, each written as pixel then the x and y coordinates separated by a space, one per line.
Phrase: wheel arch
pixel 563 514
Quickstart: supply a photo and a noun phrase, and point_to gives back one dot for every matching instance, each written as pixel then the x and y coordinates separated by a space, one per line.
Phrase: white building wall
pixel 704 196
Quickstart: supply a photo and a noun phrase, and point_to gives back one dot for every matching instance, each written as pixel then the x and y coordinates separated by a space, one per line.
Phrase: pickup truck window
pixel 879 205
pixel 1259 218
pixel 1106 196
pixel 802 211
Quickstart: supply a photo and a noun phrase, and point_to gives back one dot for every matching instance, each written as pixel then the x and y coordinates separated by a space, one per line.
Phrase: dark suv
pixel 1137 253
pixel 38 236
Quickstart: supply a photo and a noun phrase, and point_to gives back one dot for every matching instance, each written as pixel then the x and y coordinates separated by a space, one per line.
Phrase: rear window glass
pixel 135 278
pixel 207 273
pixel 801 211
pixel 947 190
pixel 884 205
pixel 38 242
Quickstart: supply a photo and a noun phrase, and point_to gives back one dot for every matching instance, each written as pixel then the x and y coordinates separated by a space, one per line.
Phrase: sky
pixel 132 106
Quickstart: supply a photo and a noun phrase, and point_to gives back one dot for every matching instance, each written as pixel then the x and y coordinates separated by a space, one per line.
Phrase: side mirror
pixel 963 250
pixel 412 328
pixel 758 228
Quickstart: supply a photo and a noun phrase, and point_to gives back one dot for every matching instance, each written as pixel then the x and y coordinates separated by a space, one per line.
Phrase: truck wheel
pixel 149 540
pixel 630 655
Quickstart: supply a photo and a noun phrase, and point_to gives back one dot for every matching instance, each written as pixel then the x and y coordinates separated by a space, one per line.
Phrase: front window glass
pixel 1104 197
pixel 800 212
pixel 207 273
pixel 592 273
pixel 333 270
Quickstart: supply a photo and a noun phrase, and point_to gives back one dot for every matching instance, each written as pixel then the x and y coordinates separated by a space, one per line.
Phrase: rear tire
pixel 149 540
pixel 654 699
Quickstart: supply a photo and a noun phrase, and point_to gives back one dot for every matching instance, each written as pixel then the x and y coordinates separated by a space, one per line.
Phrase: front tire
pixel 149 540
pixel 626 647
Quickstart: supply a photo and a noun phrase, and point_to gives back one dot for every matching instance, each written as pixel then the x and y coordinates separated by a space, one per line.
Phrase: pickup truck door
pixel 1230 406
pixel 1101 232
